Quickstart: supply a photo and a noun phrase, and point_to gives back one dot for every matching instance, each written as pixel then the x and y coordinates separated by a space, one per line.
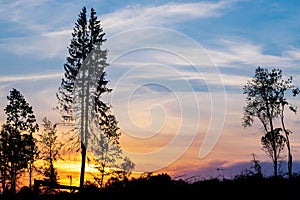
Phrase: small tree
pixel 265 100
pixel 18 146
pixel 256 167
pixel 126 168
pixel 267 141
pixel 106 154
pixel 49 151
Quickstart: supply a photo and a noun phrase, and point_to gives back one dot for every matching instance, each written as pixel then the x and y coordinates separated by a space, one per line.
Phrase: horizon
pixel 176 68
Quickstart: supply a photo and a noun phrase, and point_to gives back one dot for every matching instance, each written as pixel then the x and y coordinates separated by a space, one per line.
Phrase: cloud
pixel 20 12
pixel 38 16
pixel 49 38
pixel 243 52
pixel 38 89
pixel 43 46
pixel 226 62
pixel 29 28
pixel 293 54
pixel 28 77
pixel 162 15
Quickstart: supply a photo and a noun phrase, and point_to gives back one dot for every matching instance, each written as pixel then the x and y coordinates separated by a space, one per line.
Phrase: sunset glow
pixel 176 70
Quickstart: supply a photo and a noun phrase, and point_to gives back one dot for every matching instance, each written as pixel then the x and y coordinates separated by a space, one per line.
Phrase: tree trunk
pixel 83 158
pixel 275 166
pixel 13 179
pixel 270 117
pixel 30 174
pixel 290 158
pixel 82 130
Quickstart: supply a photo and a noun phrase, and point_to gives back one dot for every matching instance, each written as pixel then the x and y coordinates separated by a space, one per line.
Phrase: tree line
pixel 21 144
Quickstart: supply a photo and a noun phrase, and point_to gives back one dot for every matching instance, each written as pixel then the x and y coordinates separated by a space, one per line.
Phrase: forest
pixel 27 147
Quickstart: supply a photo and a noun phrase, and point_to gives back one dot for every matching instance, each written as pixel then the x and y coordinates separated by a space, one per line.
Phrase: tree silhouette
pixel 256 166
pixel 265 100
pixel 285 86
pixel 267 141
pixel 49 151
pixel 80 94
pixel 105 156
pixel 18 146
pixel 126 168
pixel 4 163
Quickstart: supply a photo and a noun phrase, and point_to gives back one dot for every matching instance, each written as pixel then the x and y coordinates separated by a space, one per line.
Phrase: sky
pixel 177 69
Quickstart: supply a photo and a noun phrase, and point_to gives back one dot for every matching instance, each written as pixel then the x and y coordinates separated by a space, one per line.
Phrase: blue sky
pixel 165 95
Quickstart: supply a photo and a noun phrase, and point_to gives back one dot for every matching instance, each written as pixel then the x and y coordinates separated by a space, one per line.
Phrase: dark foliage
pixel 18 148
pixel 162 186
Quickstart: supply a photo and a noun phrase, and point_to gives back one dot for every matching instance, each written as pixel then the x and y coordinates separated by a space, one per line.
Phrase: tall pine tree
pixel 84 84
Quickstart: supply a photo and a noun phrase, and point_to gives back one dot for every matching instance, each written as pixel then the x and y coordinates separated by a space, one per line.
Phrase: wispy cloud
pixel 19 12
pixel 162 15
pixel 38 16
pixel 29 77
pixel 294 53
pixel 29 27
pixel 38 89
pixel 48 39
pixel 237 53
pixel 41 46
